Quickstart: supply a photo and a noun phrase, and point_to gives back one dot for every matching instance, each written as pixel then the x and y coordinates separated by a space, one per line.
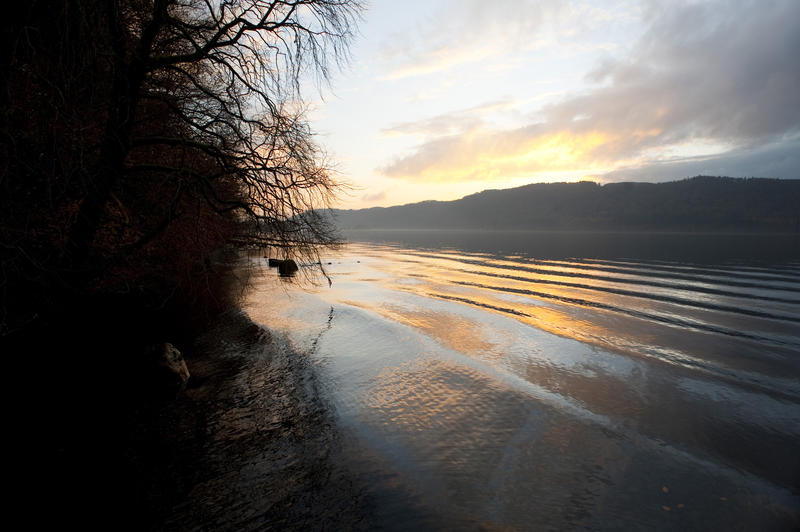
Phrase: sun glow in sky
pixel 449 97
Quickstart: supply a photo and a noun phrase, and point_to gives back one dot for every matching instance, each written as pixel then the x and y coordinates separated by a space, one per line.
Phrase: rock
pixel 169 368
pixel 287 267
pixel 274 263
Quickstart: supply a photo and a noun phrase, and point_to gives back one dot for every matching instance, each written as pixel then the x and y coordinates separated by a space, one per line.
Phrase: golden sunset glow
pixel 558 91
pixel 564 150
pixel 489 157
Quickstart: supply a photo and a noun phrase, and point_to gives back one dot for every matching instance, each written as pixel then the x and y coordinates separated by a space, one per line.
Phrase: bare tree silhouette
pixel 229 74
pixel 131 128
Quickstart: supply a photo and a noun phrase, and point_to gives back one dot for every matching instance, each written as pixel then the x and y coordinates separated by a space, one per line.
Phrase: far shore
pixel 568 231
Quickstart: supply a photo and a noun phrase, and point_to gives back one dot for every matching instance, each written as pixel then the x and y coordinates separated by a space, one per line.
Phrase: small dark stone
pixel 169 371
pixel 287 267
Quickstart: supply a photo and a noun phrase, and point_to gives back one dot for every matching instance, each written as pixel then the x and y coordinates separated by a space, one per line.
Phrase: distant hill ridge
pixel 701 203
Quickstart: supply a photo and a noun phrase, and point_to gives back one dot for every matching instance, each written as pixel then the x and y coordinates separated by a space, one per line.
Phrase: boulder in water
pixel 287 267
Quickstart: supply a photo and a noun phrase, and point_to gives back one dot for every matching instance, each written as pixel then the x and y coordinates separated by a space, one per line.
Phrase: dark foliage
pixel 144 143
pixel 143 139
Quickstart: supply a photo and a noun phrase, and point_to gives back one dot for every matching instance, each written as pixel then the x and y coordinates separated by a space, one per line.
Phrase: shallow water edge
pixel 248 446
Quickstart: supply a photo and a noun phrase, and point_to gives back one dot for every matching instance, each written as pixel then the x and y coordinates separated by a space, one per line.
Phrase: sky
pixel 444 98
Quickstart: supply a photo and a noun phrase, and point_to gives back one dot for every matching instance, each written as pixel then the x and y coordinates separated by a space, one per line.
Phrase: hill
pixel 701 203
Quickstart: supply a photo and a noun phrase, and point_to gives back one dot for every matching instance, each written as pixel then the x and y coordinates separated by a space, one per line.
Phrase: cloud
pixel 442 57
pixel 452 122
pixel 717 74
pixel 373 198
pixel 781 160
pixel 468 31
pixel 479 155
pixel 701 71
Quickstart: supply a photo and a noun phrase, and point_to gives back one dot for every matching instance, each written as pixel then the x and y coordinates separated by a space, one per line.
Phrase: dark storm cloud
pixel 781 160
pixel 728 71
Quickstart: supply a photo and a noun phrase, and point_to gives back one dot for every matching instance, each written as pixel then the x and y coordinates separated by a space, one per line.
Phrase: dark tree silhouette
pixel 229 74
pixel 141 135
pixel 140 142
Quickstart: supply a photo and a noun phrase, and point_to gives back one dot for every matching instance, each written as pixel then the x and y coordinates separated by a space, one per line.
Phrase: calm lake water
pixel 559 381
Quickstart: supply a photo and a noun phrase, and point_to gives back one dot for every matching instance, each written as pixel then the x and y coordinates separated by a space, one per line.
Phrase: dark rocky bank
pixel 247 445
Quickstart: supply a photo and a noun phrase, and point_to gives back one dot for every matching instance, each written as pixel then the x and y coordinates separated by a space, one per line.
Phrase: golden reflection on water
pixel 523 403
pixel 551 286
pixel 466 335
pixel 643 289
pixel 559 322
pixel 637 326
pixel 457 332
pixel 380 283
pixel 587 385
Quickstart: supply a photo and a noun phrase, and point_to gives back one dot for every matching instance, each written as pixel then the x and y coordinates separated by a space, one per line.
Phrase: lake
pixel 558 380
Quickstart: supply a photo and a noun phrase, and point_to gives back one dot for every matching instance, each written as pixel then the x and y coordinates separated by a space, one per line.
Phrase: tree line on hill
pixel 698 204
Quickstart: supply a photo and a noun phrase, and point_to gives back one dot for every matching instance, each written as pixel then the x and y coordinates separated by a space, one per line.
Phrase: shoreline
pixel 249 444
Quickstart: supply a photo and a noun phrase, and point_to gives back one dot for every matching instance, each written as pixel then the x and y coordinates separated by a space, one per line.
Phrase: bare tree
pixel 228 72
pixel 130 128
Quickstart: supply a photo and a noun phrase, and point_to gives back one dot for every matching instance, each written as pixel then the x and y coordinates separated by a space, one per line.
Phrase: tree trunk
pixel 128 77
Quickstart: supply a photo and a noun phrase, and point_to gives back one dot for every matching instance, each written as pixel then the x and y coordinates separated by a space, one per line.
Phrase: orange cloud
pixel 479 155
